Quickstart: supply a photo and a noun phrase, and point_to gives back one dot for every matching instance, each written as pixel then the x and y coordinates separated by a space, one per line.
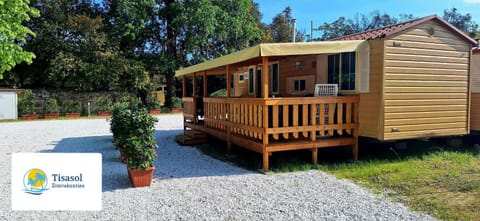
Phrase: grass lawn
pixel 428 176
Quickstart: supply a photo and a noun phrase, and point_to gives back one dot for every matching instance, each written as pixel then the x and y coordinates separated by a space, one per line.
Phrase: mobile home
pixel 405 81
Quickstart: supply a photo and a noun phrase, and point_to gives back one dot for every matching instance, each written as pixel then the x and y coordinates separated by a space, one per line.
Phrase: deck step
pixel 186 140
pixel 195 134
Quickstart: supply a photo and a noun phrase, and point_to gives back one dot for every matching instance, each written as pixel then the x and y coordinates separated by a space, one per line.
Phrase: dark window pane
pixel 296 85
pixel 275 78
pixel 250 80
pixel 302 85
pixel 333 68
pixel 348 71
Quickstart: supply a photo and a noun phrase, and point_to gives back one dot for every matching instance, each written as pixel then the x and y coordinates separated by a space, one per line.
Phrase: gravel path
pixel 187 184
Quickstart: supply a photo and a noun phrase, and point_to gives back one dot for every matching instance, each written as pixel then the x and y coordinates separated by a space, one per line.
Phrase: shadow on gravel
pixel 114 172
pixel 174 161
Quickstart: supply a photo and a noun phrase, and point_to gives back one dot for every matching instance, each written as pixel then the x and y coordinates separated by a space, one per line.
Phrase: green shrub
pixel 176 102
pixel 103 104
pixel 51 106
pixel 152 103
pixel 26 103
pixel 133 135
pixel 72 106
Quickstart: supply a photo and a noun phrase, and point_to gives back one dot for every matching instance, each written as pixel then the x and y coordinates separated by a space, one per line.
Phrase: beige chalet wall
pixel 371 108
pixel 475 107
pixel 426 83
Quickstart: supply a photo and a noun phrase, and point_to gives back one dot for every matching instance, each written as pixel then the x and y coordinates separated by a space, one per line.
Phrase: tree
pixel 13 34
pixel 343 26
pixel 462 22
pixel 281 28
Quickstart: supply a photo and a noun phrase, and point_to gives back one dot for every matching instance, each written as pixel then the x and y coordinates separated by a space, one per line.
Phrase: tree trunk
pixel 171 53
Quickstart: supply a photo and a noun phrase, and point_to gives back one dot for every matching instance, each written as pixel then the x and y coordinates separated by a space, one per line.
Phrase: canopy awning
pixel 278 49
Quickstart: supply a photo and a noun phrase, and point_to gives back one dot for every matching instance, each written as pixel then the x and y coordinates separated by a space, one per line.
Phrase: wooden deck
pixel 278 124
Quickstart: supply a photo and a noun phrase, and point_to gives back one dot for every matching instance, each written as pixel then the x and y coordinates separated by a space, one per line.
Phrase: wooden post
pixel 194 95
pixel 265 112
pixel 229 115
pixel 315 156
pixel 205 91
pixel 194 85
pixel 184 85
pixel 355 131
pixel 265 161
pixel 265 77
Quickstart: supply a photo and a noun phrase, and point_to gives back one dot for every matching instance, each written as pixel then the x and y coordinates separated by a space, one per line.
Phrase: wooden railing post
pixel 228 111
pixel 265 112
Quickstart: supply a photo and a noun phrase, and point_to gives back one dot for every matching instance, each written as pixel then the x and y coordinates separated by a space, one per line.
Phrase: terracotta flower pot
pixel 30 116
pixel 177 110
pixel 72 115
pixel 51 116
pixel 154 111
pixel 103 114
pixel 141 178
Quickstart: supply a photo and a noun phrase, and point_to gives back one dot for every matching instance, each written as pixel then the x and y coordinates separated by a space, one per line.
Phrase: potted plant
pixel 72 108
pixel 176 105
pixel 26 105
pixel 51 109
pixel 133 136
pixel 153 106
pixel 119 125
pixel 103 106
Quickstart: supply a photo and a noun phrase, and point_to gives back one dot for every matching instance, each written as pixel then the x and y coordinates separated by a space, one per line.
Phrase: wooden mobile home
pixel 404 81
pixel 419 81
pixel 475 107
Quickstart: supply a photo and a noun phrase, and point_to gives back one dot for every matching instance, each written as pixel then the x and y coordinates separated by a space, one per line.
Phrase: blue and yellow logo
pixel 35 181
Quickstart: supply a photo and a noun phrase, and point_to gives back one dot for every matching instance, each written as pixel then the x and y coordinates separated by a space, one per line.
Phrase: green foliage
pixel 462 22
pixel 51 106
pixel 345 26
pixel 12 31
pixel 177 102
pixel 133 135
pixel 26 103
pixel 103 104
pixel 72 106
pixel 152 103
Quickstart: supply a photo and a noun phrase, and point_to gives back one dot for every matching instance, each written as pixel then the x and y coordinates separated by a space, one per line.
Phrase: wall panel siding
pixel 475 115
pixel 426 83
pixel 371 107
pixel 475 69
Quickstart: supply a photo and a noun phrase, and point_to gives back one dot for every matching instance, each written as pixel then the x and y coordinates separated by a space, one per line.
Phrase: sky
pixel 321 11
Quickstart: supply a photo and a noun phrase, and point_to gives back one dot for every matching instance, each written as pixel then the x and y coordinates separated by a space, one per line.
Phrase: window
pixel 241 77
pixel 341 70
pixel 251 85
pixel 348 71
pixel 275 78
pixel 333 68
pixel 299 85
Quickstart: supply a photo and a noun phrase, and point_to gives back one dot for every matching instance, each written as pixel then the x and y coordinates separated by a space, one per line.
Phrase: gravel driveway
pixel 188 185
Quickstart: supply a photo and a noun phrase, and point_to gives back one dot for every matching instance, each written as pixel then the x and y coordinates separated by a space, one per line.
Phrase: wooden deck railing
pixel 282 118
pixel 188 108
pixel 309 117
